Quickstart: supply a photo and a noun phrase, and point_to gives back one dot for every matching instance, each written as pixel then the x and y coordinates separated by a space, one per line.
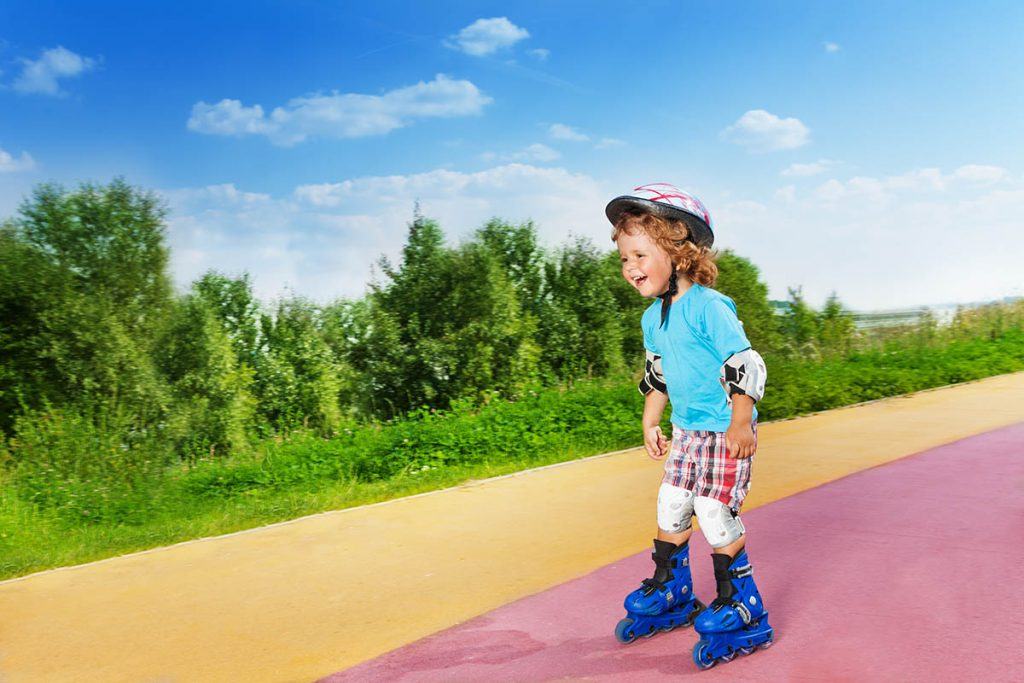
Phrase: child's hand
pixel 655 443
pixel 739 439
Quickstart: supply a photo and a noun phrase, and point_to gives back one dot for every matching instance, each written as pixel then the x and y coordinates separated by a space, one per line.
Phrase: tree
pixel 800 326
pixel 579 327
pixel 84 292
pixel 836 328
pixel 233 302
pixel 111 240
pixel 213 407
pixel 740 280
pixel 297 379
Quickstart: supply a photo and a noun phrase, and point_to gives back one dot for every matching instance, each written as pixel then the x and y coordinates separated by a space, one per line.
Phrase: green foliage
pixel 297 379
pixel 740 279
pixel 449 323
pixel 83 290
pixel 580 330
pixel 233 302
pixel 212 403
pixel 87 469
pixel 110 241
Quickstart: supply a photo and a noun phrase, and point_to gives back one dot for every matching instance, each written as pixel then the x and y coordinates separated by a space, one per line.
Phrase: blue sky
pixel 872 149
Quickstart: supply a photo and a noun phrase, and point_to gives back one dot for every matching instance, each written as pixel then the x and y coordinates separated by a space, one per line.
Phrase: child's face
pixel 644 264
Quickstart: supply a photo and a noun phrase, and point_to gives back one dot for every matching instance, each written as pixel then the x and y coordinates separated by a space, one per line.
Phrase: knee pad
pixel 675 508
pixel 720 524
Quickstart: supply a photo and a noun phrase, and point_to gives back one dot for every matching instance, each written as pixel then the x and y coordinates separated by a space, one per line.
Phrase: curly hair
pixel 696 263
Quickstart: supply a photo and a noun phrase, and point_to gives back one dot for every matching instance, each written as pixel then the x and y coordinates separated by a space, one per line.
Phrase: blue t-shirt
pixel 701 333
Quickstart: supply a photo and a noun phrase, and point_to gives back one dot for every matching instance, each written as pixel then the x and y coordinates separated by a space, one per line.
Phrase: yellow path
pixel 302 599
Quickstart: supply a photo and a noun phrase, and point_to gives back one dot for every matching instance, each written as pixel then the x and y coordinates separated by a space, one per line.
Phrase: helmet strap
pixel 666 296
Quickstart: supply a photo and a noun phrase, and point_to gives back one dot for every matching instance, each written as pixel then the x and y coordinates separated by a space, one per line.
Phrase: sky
pixel 870 149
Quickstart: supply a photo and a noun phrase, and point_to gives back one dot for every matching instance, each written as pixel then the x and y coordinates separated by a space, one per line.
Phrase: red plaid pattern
pixel 700 462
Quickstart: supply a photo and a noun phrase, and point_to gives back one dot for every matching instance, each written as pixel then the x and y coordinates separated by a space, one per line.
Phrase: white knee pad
pixel 717 522
pixel 675 508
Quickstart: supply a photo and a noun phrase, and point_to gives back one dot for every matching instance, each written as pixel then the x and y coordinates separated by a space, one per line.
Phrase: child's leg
pixel 734 548
pixel 675 539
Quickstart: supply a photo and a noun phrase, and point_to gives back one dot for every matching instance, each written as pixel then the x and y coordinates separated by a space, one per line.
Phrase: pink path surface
pixel 910 571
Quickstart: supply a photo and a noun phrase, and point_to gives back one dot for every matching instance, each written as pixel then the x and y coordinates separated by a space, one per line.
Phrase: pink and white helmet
pixel 666 201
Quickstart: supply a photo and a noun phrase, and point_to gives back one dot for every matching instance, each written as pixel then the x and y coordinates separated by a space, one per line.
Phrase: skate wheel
pixel 765 645
pixel 745 650
pixel 701 657
pixel 624 631
pixel 651 630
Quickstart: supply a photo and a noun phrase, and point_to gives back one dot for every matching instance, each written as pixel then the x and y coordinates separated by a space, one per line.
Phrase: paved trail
pixel 362 588
pixel 894 573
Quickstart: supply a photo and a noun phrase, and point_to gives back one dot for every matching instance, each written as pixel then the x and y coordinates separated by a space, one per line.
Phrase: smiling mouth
pixel 639 280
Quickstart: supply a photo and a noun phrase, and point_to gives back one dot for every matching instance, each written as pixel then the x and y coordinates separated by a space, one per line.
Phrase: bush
pixel 91 470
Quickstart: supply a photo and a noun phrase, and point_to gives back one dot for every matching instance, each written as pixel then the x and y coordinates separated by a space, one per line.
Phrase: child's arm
pixel 654 440
pixel 739 438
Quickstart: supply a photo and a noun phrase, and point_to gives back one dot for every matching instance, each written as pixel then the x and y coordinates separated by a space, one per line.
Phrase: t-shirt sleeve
pixel 649 336
pixel 723 328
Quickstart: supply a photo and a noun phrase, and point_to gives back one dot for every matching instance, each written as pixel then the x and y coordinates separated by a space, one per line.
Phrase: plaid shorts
pixel 700 462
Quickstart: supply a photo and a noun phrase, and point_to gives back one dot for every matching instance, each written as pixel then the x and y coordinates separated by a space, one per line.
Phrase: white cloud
pixel 541 54
pixel 813 168
pixel 486 36
pixel 762 131
pixel 831 47
pixel 925 236
pixel 981 174
pixel 341 115
pixel 537 152
pixel 322 239
pixel 560 131
pixel 11 164
pixel 225 194
pixel 921 181
pixel 41 76
pixel 607 143
pixel 786 194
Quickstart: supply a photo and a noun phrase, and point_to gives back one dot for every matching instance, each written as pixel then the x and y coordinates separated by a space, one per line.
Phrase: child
pixel 699 358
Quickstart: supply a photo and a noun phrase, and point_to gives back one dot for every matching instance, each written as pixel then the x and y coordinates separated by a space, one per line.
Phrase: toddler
pixel 699 358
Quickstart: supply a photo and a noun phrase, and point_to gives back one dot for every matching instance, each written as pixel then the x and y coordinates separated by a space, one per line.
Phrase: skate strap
pixel 740 572
pixel 740 608
pixel 653 584
pixel 673 562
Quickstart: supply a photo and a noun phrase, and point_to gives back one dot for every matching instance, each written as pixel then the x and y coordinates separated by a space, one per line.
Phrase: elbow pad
pixel 652 379
pixel 743 373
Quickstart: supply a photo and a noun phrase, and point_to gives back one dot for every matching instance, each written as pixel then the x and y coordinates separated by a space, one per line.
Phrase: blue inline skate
pixel 665 601
pixel 736 622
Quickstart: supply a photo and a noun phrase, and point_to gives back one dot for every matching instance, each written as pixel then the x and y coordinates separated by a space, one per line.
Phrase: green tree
pixel 579 328
pixel 836 329
pixel 297 379
pixel 213 407
pixel 630 307
pixel 233 302
pixel 85 289
pixel 740 279
pixel 800 326
pixel 111 241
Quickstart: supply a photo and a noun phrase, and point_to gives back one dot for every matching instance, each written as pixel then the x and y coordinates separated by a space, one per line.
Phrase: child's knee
pixel 675 508
pixel 721 525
